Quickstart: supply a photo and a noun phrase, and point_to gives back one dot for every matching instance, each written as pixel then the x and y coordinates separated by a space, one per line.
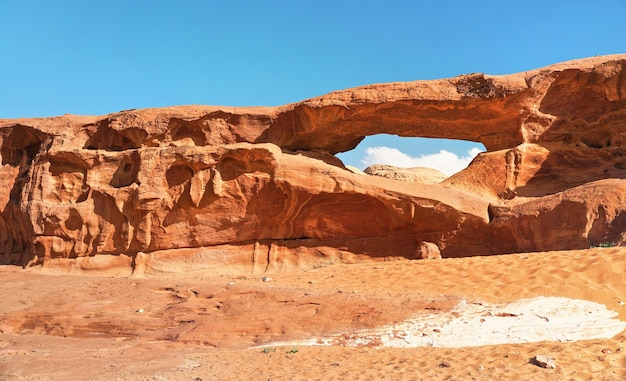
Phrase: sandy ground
pixel 62 327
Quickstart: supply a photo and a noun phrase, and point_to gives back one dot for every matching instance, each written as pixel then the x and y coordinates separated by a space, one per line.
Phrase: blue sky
pixel 97 57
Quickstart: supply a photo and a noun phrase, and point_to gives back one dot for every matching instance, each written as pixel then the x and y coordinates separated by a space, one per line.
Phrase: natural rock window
pixel 412 159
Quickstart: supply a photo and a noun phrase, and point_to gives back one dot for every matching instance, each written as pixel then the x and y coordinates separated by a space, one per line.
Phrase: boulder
pixel 428 250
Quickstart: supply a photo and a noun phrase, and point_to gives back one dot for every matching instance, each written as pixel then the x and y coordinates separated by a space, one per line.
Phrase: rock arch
pixel 258 187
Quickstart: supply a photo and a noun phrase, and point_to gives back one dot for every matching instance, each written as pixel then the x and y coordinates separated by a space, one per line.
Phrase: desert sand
pixel 198 327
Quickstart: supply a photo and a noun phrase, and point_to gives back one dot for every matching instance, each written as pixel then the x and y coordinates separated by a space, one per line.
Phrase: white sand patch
pixel 475 324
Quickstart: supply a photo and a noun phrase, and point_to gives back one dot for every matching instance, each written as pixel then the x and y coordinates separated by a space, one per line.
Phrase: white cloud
pixel 444 161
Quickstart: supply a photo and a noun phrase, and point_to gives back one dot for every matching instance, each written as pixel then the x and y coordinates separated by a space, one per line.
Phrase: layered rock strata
pixel 257 189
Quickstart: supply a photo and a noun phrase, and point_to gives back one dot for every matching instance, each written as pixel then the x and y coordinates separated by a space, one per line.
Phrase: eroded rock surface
pixel 258 189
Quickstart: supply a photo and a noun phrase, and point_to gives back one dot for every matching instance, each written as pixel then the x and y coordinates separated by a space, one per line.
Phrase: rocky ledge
pixel 258 189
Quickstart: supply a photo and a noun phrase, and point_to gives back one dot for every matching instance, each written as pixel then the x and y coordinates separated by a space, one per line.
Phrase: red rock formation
pixel 258 189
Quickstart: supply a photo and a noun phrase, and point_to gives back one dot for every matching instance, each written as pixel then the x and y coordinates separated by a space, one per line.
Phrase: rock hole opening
pixel 127 171
pixel 109 139
pixel 178 174
pixel 447 156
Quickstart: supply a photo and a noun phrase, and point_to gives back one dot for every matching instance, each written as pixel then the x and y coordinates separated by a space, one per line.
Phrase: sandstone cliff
pixel 413 175
pixel 258 189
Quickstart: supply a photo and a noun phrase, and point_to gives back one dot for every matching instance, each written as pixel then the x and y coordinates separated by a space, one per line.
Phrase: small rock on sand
pixel 544 361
